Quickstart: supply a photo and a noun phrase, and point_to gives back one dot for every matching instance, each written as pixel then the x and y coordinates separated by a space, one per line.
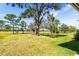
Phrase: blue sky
pixel 67 14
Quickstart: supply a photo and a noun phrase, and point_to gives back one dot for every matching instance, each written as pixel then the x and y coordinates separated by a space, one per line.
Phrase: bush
pixel 58 31
pixel 77 35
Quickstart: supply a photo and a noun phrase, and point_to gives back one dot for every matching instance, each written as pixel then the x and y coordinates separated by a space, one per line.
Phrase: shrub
pixel 77 35
pixel 58 31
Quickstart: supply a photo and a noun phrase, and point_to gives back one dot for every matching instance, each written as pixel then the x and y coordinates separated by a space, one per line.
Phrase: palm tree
pixel 2 22
pixel 37 11
pixel 11 19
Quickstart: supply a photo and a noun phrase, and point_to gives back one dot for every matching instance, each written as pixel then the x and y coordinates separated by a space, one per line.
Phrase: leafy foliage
pixel 55 26
pixel 50 21
pixel 32 27
pixel 23 25
pixel 11 18
pixel 8 27
pixel 2 23
pixel 72 28
pixel 64 28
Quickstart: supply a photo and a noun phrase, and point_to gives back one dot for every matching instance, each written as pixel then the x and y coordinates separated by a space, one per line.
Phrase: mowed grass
pixel 32 45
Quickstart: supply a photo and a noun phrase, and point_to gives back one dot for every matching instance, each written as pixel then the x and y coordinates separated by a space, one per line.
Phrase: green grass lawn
pixel 32 45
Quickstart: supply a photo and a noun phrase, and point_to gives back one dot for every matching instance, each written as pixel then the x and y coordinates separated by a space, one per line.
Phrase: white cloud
pixel 67 8
pixel 75 14
pixel 56 13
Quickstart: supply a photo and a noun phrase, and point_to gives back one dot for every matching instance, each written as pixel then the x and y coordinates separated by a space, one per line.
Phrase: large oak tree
pixel 36 11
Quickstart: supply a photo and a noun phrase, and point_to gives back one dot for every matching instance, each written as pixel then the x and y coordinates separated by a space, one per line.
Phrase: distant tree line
pixel 15 24
pixel 55 26
pixel 12 23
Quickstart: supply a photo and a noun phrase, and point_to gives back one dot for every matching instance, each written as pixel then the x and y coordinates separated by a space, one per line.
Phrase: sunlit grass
pixel 30 44
pixel 4 34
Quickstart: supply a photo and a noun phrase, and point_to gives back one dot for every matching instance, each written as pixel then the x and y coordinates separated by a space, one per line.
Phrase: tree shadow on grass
pixel 73 45
pixel 54 35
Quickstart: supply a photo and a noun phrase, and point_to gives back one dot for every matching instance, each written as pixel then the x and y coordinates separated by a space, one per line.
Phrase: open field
pixel 43 45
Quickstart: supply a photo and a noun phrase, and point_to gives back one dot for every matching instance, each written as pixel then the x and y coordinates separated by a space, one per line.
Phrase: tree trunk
pixel 37 30
pixel 51 31
pixel 13 29
pixel 22 30
pixel 37 26
pixel 55 30
pixel 17 30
